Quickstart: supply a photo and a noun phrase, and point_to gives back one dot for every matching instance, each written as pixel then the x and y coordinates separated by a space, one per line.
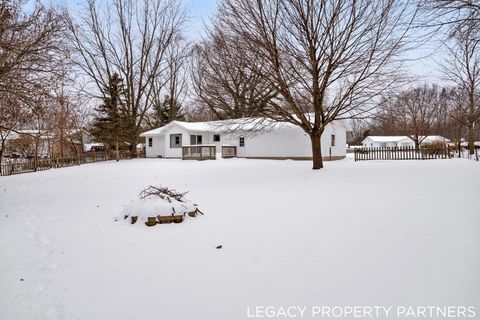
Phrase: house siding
pixel 369 143
pixel 157 149
pixel 293 142
pixel 177 152
pixel 283 142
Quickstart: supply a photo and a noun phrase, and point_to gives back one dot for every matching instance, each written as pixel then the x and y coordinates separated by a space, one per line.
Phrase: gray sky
pixel 422 62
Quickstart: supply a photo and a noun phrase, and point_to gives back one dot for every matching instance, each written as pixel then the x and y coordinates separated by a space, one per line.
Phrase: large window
pixel 175 140
pixel 195 139
pixel 216 138
pixel 150 142
pixel 241 142
pixel 332 143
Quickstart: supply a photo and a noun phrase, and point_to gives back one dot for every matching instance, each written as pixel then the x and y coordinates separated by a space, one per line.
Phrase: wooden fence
pixel 402 153
pixel 17 166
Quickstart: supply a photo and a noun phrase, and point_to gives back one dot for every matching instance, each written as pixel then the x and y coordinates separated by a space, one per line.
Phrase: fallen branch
pixel 163 193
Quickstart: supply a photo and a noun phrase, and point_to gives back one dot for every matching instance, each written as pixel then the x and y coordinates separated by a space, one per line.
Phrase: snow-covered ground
pixel 354 233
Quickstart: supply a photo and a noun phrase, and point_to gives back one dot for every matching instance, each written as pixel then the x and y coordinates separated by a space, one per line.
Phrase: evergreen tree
pixel 111 125
pixel 167 110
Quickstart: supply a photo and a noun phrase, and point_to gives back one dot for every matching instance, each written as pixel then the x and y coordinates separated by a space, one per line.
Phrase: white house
pixel 399 141
pixel 277 141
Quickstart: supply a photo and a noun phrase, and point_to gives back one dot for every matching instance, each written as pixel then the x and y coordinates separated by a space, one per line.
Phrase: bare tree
pixel 359 129
pixel 328 60
pixel 131 38
pixel 32 53
pixel 68 120
pixel 462 67
pixel 453 14
pixel 169 92
pixel 413 113
pixel 11 116
pixel 222 79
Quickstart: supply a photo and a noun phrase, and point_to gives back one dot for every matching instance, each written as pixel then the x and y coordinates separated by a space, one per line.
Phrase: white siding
pixel 368 142
pixel 281 142
pixel 177 152
pixel 158 147
pixel 293 142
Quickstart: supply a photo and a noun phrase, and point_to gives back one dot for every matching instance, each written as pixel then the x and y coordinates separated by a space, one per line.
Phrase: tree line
pixel 120 67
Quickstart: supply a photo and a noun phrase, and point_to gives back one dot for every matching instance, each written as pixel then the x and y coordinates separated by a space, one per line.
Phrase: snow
pixel 427 139
pixel 354 233
pixel 386 138
pixel 434 138
pixel 155 206
pixel 88 146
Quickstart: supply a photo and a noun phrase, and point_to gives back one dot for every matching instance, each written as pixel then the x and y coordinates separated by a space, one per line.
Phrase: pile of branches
pixel 163 193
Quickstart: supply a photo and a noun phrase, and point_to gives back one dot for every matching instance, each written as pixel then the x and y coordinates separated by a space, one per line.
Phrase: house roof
pixel 434 138
pixel 465 143
pixel 43 134
pixel 385 139
pixel 190 126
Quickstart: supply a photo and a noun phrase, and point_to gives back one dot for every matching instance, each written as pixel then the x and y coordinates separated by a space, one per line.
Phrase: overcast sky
pixel 424 61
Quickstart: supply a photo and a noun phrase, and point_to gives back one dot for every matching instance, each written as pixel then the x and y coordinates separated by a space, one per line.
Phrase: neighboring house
pixel 399 141
pixel 277 141
pixel 475 143
pixel 94 146
pixel 26 143
pixel 73 142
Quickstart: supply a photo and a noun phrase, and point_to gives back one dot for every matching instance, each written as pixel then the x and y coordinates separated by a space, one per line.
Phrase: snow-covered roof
pixel 89 146
pixel 435 138
pixel 385 139
pixel 43 134
pixel 465 143
pixel 190 126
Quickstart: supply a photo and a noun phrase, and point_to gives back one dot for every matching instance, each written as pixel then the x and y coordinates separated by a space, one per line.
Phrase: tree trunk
pixel 133 146
pixel 316 150
pixel 416 140
pixel 471 138
pixel 117 151
pixel 35 159
pixel 1 149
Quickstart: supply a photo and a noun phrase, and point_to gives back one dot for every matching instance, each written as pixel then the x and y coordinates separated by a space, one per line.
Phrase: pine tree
pixel 111 126
pixel 166 111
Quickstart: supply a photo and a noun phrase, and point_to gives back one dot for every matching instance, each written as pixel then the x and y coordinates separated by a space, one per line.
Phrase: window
pixel 194 139
pixel 242 142
pixel 216 138
pixel 332 142
pixel 150 142
pixel 175 141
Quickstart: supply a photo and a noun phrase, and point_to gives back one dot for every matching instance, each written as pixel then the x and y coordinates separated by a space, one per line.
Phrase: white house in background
pixel 277 141
pixel 399 141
